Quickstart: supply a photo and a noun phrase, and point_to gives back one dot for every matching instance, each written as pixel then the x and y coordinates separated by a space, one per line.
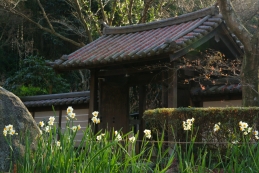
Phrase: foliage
pixel 195 157
pixel 58 151
pixel 34 77
pixel 205 120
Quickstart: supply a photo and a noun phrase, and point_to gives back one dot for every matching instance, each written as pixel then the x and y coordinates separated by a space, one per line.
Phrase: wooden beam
pixel 135 68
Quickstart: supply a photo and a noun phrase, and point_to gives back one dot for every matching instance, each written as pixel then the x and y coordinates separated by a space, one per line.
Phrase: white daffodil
pixel 72 115
pixel 74 128
pixel 256 137
pixel 9 127
pixel 242 128
pixel 249 129
pixel 96 120
pixel 245 125
pixel 78 127
pixel 99 137
pixel 147 133
pixel 118 137
pixel 132 139
pixel 234 142
pixel 116 133
pixel 50 123
pixel 52 119
pixel 47 129
pixel 216 127
pixel 69 110
pixel 8 130
pixel 187 126
pixel 58 143
pixel 255 133
pixel 95 113
pixel 5 132
pixel 12 132
pixel 41 124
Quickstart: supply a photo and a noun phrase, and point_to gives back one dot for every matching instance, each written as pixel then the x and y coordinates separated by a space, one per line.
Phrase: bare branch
pixel 130 11
pixel 45 16
pixel 82 20
pixel 147 4
pixel 103 12
pixel 112 12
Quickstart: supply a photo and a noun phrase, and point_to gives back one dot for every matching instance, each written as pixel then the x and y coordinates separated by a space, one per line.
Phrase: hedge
pixel 171 119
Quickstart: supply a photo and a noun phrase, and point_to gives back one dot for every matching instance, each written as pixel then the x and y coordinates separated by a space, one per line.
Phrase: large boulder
pixel 13 111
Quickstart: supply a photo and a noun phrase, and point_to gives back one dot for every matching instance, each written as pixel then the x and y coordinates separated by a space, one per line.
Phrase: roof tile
pixel 56 99
pixel 143 40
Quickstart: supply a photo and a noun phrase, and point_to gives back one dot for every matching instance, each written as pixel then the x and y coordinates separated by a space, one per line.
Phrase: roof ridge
pixel 213 10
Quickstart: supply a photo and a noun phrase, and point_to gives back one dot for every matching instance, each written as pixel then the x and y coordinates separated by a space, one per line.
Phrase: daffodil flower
pixel 5 132
pixel 41 124
pixel 74 128
pixel 51 123
pixel 52 119
pixel 132 139
pixel 96 120
pixel 216 127
pixel 47 129
pixel 147 133
pixel 99 137
pixel 95 113
pixel 72 115
pixel 69 110
pixel 9 130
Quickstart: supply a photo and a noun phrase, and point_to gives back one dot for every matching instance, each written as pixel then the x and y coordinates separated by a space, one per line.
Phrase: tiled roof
pixel 217 89
pixel 57 99
pixel 135 42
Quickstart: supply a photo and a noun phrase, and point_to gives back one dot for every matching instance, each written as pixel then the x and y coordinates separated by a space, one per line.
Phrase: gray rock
pixel 13 111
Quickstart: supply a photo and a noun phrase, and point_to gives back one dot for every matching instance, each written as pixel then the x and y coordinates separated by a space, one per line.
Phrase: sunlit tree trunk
pixel 249 78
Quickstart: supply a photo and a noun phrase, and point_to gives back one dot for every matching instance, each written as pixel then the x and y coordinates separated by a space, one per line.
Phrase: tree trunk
pixel 249 76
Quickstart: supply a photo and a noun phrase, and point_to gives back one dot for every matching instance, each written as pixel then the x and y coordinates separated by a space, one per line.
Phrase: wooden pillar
pixel 60 117
pixel 165 89
pixel 33 114
pixel 59 120
pixel 93 104
pixel 142 108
